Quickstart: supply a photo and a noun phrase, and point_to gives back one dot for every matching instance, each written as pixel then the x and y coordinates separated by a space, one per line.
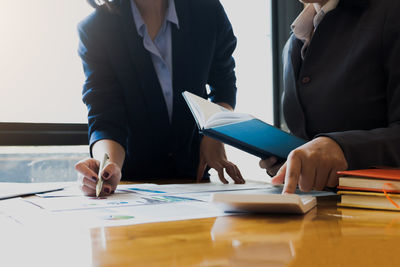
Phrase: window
pixel 41 81
pixel 253 55
pixel 42 75
pixel 251 21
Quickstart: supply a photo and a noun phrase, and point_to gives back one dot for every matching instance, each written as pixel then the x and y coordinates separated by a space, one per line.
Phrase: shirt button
pixel 306 79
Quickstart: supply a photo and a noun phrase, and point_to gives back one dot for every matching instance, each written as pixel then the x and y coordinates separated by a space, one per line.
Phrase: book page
pixel 208 114
pixel 226 117
pixel 201 108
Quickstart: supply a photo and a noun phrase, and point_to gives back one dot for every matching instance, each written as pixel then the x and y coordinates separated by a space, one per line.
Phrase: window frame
pixel 43 134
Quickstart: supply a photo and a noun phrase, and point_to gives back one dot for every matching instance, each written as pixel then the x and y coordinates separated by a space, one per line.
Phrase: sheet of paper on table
pixel 151 189
pixel 9 190
pixel 131 204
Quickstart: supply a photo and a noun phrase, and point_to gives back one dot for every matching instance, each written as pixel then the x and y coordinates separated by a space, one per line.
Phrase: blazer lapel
pixel 292 109
pixel 146 75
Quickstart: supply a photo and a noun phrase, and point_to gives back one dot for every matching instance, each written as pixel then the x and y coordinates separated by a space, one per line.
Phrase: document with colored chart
pixel 131 204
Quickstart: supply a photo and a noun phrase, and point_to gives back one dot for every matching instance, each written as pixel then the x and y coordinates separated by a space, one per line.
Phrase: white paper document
pixel 9 190
pixel 131 204
pixel 151 189
pixel 36 217
pixel 119 199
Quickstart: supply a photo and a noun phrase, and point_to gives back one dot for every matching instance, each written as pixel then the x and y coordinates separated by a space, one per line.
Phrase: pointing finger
pixel 292 174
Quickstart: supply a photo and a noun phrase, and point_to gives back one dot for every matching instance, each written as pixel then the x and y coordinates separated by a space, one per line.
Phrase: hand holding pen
pixel 95 179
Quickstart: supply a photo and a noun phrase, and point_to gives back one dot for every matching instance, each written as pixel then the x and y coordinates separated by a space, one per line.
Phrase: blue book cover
pixel 256 137
pixel 242 131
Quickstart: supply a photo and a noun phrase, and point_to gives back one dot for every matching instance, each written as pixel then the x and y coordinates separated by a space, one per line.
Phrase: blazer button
pixel 306 79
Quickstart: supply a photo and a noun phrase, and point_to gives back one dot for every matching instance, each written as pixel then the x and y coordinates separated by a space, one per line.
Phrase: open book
pixel 239 130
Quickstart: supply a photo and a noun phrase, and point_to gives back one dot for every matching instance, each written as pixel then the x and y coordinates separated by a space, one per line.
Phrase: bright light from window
pixel 253 55
pixel 41 73
pixel 251 25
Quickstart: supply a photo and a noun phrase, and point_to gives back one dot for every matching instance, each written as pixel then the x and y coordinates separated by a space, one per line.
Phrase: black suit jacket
pixel 123 94
pixel 348 85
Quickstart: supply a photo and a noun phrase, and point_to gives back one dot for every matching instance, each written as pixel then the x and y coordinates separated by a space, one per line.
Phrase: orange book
pixel 370 180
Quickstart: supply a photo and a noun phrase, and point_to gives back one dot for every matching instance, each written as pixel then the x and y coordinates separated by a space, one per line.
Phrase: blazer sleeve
pixel 222 78
pixel 380 146
pixel 102 93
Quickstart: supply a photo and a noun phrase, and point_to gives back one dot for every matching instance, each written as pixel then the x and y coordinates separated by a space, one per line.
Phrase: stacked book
pixel 370 189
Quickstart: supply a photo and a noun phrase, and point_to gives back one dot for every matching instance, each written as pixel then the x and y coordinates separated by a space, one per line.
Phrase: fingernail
pixel 94 179
pixel 105 175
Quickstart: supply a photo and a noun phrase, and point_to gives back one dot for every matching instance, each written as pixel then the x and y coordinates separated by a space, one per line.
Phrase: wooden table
pixel 326 236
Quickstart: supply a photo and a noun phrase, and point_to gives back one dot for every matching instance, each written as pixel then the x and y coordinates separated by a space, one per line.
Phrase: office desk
pixel 326 236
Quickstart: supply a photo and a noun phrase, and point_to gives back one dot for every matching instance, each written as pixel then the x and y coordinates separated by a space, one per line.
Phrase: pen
pixel 99 185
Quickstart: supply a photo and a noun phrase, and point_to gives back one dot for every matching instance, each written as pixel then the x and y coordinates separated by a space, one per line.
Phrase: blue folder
pixel 256 137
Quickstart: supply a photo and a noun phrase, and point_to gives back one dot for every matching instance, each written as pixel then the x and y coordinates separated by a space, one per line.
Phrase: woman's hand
pixel 212 153
pixel 87 176
pixel 313 165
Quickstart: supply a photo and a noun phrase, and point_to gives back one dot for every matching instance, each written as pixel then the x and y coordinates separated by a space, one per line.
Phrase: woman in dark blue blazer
pixel 138 58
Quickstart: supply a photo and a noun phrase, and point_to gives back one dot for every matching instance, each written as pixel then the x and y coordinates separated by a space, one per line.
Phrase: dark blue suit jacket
pixel 123 94
pixel 348 85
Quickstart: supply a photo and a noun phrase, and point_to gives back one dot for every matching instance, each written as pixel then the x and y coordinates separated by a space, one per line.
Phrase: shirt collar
pixel 303 24
pixel 329 6
pixel 170 16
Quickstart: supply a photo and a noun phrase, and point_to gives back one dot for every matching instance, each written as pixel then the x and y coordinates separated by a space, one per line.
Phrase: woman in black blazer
pixel 138 58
